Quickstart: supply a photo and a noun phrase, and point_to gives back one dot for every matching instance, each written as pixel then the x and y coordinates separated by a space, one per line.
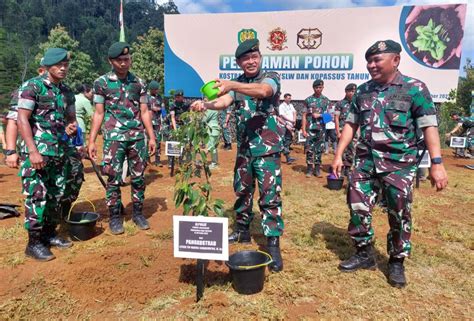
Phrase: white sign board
pixel 305 45
pixel 301 138
pixel 426 160
pixel 200 237
pixel 173 148
pixel 458 142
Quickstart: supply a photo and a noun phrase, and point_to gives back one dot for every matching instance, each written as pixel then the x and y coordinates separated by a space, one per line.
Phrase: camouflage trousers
pixel 397 189
pixel 115 153
pixel 314 147
pixel 73 173
pixel 287 140
pixel 44 189
pixel 158 135
pixel 348 155
pixel 226 135
pixel 267 171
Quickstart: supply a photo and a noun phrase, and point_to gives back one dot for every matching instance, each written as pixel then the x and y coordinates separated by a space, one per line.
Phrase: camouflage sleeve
pixel 172 109
pixel 27 96
pixel 143 93
pixel 423 108
pixel 305 106
pixel 354 109
pixel 337 108
pixel 272 79
pixel 70 104
pixel 99 94
pixel 13 106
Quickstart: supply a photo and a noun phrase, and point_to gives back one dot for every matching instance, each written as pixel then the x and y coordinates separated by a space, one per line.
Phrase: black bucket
pixel 335 184
pixel 248 270
pixel 82 225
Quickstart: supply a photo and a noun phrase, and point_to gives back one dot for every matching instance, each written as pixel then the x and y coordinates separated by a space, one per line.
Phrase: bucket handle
pixel 75 203
pixel 247 267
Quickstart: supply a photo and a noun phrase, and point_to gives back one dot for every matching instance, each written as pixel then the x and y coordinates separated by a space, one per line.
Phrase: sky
pixel 221 6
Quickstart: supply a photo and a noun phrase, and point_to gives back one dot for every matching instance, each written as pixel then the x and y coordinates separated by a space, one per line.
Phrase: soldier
pixel 45 106
pixel 178 107
pixel 155 103
pixel 287 115
pixel 387 109
pixel 342 110
pixel 120 97
pixel 313 128
pixel 467 126
pixel 224 117
pixel 259 143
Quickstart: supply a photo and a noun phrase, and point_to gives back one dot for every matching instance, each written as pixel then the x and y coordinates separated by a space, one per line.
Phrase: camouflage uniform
pixel 177 108
pixel 44 188
pixel 74 174
pixel 226 135
pixel 342 109
pixel 259 143
pixel 315 128
pixel 156 122
pixel 468 131
pixel 386 156
pixel 124 134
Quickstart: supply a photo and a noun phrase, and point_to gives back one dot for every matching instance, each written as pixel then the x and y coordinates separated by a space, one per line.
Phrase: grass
pixel 14 232
pixel 14 260
pixel 130 228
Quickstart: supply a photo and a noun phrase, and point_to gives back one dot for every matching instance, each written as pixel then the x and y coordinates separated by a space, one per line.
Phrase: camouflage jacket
pixel 388 117
pixel 177 109
pixel 342 109
pixel 315 105
pixel 258 131
pixel 155 101
pixel 121 99
pixel 49 104
pixel 13 105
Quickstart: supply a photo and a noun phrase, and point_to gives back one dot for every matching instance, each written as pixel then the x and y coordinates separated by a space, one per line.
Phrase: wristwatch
pixel 8 152
pixel 436 160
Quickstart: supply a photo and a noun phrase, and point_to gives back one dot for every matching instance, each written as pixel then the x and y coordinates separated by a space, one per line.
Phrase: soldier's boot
pixel 317 171
pixel 138 218
pixel 273 246
pixel 396 273
pixel 228 146
pixel 51 238
pixel 241 234
pixel 363 259
pixel 36 249
pixel 309 170
pixel 116 220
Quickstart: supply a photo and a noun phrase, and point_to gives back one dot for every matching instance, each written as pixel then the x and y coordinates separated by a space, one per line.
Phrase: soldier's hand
pixel 336 166
pixel 305 134
pixel 151 147
pixel 71 129
pixel 438 176
pixel 36 160
pixel 12 160
pixel 198 105
pixel 224 86
pixel 92 151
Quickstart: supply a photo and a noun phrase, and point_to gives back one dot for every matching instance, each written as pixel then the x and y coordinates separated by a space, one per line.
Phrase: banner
pixel 316 44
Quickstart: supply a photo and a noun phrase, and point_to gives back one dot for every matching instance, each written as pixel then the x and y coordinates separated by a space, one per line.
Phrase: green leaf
pixel 437 29
pixel 419 29
pixel 430 23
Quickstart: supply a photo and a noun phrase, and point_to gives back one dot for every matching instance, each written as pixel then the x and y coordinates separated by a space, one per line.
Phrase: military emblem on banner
pixel 277 39
pixel 246 34
pixel 310 38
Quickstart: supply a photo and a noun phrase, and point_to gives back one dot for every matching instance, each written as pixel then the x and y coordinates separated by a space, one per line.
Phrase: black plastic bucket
pixel 82 225
pixel 335 184
pixel 248 270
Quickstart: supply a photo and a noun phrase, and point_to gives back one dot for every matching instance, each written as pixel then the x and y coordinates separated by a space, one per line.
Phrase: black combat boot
pixel 228 146
pixel 241 234
pixel 363 259
pixel 50 237
pixel 36 249
pixel 309 170
pixel 317 171
pixel 273 246
pixel 138 218
pixel 396 272
pixel 116 220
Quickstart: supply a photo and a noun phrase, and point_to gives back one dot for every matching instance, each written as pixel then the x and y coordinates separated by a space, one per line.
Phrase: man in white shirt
pixel 330 131
pixel 287 117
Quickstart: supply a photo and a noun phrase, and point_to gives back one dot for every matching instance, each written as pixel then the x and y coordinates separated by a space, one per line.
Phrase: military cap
pixel 179 92
pixel 383 46
pixel 318 82
pixel 153 85
pixel 118 49
pixel 351 86
pixel 249 45
pixel 53 56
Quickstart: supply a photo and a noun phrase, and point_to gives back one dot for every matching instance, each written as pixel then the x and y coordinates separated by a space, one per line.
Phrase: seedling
pixel 432 38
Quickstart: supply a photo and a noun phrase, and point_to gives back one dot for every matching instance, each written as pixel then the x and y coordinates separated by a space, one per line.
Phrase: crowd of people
pixel 372 132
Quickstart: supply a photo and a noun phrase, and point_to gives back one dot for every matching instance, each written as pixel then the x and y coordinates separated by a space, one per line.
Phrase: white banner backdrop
pixel 316 44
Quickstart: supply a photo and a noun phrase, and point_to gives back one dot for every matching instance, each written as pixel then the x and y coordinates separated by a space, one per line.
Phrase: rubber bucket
pixel 208 90
pixel 248 270
pixel 82 225
pixel 335 184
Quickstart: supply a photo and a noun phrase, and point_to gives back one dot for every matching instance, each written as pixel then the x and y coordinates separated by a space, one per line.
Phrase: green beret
pixel 153 85
pixel 118 49
pixel 318 82
pixel 351 86
pixel 179 92
pixel 383 46
pixel 249 45
pixel 53 56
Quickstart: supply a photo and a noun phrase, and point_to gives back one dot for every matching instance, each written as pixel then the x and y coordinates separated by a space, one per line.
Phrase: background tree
pixel 148 57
